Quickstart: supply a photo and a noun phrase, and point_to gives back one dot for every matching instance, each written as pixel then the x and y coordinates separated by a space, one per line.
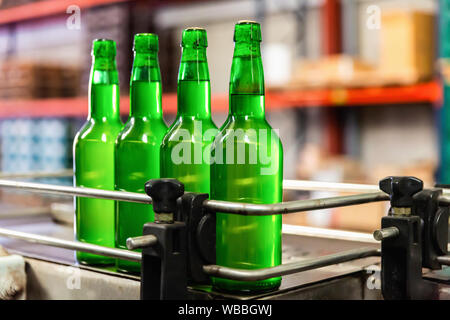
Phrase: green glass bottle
pixel 247 167
pixel 185 150
pixel 137 146
pixel 94 153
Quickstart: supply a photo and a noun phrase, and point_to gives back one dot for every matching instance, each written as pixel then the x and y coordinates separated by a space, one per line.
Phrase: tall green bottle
pixel 248 167
pixel 137 146
pixel 185 150
pixel 94 153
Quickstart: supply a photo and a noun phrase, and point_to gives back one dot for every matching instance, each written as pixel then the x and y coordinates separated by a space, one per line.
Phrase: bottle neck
pixel 247 81
pixel 145 87
pixel 194 89
pixel 104 90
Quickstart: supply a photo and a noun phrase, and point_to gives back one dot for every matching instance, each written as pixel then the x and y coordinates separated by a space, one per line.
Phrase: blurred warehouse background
pixel 354 86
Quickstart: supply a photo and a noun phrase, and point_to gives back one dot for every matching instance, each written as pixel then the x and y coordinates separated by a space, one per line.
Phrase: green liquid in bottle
pixel 94 168
pixel 138 145
pixel 253 174
pixel 185 150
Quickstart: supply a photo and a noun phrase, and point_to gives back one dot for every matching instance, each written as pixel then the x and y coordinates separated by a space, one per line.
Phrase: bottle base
pixel 246 287
pixel 128 267
pixel 90 259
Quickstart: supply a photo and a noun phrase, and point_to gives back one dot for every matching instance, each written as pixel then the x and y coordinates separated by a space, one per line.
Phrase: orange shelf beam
pixel 47 8
pixel 430 92
pixel 78 107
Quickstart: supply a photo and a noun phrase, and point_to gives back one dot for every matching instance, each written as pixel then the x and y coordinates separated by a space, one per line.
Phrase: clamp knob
pixel 164 194
pixel 401 190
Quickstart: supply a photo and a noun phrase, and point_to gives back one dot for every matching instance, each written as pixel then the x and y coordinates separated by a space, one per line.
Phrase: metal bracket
pixel 163 270
pixel 412 237
pixel 401 261
pixel 435 226
pixel 201 236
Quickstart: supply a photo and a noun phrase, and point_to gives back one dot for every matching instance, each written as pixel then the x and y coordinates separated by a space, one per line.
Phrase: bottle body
pixel 185 150
pixel 94 168
pixel 138 145
pixel 247 242
pixel 247 167
pixel 94 154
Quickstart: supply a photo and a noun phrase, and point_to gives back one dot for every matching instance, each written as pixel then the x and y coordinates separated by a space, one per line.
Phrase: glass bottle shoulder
pixel 99 130
pixel 247 130
pixel 186 127
pixel 143 130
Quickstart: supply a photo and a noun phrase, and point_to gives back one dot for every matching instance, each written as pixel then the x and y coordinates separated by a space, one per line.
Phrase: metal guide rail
pixel 193 217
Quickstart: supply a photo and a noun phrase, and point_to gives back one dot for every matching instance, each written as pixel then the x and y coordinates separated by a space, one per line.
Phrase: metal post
pixel 141 242
pixel 385 233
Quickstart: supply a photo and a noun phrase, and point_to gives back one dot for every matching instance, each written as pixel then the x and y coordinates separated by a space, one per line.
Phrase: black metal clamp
pixel 413 235
pixel 185 235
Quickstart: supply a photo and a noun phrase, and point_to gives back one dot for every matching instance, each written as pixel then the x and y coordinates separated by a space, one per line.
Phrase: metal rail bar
pixel 213 205
pixel 289 268
pixel 293 206
pixel 324 233
pixel 445 260
pixel 76 191
pixel 444 200
pixel 72 245
pixel 305 185
pixel 141 242
pixel 302 185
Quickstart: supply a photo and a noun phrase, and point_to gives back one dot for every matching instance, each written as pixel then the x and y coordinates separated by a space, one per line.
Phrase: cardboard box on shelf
pixel 406 57
pixel 424 170
pixel 362 217
pixel 407 46
pixel 332 71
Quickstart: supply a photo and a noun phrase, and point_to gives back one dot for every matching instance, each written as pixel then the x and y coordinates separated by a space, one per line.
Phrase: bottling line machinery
pixel 178 249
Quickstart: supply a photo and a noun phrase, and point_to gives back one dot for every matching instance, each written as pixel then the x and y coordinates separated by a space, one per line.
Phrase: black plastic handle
pixel 401 189
pixel 164 193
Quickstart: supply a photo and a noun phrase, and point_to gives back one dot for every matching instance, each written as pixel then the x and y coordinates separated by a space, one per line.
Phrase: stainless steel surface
pixel 289 268
pixel 73 245
pixel 55 281
pixel 293 206
pixel 386 233
pixel 76 191
pixel 445 260
pixel 445 199
pixel 141 242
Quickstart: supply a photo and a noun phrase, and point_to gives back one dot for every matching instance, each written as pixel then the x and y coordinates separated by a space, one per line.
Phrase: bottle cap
pixel 145 42
pixel 247 31
pixel 194 37
pixel 104 48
